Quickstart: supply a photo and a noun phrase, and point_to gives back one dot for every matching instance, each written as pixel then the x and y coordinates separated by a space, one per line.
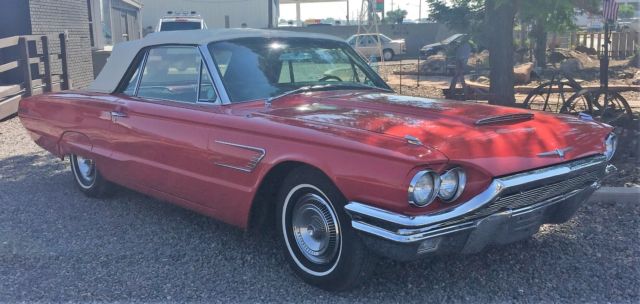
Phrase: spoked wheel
pixel 605 106
pixel 551 96
pixel 88 178
pixel 319 243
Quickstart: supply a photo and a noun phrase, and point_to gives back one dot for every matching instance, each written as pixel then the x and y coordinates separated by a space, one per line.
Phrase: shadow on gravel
pixel 57 245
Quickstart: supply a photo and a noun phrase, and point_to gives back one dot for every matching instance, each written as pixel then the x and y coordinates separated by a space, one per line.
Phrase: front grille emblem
pixel 557 152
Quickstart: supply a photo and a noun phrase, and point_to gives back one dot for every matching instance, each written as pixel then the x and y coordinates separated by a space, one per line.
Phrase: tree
pixel 626 11
pixel 491 23
pixel 552 16
pixel 397 16
pixel 499 22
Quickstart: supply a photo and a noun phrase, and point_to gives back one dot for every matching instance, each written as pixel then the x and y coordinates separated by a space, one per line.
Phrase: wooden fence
pixel 623 44
pixel 27 68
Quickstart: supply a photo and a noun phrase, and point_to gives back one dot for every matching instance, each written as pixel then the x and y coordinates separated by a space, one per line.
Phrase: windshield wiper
pixel 322 87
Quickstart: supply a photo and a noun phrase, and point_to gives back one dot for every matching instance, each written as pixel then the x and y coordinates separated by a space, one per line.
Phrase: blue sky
pixel 338 10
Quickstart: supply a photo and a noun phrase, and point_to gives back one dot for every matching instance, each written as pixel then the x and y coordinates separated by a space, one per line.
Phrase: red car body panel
pixel 182 152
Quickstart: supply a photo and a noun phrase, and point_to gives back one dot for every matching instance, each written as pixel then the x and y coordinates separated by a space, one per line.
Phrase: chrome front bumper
pixel 511 208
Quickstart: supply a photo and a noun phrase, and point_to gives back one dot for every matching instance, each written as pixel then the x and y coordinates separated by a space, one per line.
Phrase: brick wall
pixel 56 16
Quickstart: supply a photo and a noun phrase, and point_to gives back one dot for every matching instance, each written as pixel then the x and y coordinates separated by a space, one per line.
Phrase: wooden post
pixel 615 48
pixel 23 45
pixel 599 43
pixel 591 40
pixel 572 40
pixel 47 64
pixel 64 57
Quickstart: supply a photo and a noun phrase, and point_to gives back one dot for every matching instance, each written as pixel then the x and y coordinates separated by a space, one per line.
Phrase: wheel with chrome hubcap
pixel 88 178
pixel 320 244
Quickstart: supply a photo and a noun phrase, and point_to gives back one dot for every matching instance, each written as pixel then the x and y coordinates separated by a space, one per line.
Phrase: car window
pixel 171 73
pixel 207 89
pixel 258 68
pixel 130 89
pixel 167 26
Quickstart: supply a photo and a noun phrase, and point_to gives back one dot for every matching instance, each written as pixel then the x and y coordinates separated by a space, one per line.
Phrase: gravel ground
pixel 58 246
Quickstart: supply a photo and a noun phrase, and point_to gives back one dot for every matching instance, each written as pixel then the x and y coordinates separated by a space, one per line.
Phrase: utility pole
pixel 420 11
pixel 270 22
pixel 347 12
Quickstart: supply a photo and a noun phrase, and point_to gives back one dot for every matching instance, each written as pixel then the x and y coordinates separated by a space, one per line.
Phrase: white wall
pixel 252 12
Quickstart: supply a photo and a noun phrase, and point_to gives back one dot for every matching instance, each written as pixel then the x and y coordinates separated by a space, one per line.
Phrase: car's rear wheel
pixel 88 178
pixel 319 243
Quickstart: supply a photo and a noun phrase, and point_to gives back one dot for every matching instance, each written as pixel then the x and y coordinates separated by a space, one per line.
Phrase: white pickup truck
pixel 180 21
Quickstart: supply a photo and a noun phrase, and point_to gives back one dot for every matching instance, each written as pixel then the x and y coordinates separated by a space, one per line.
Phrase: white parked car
pixel 367 46
pixel 180 21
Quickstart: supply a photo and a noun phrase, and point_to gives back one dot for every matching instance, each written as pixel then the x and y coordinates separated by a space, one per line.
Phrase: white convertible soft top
pixel 124 53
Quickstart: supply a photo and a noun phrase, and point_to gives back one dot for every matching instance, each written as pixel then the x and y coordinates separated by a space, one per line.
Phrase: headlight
pixel 423 188
pixel 452 184
pixel 610 145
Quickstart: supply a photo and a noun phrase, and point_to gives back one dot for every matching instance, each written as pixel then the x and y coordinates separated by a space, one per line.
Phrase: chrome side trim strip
pixel 358 210
pixel 252 164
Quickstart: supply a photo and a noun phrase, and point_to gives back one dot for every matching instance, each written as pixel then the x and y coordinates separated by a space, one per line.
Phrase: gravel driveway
pixel 56 245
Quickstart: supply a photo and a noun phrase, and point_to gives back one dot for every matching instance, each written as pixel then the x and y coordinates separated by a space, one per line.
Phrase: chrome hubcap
pixel 315 229
pixel 85 168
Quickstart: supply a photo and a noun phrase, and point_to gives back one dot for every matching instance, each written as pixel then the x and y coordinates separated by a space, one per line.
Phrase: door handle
pixel 115 115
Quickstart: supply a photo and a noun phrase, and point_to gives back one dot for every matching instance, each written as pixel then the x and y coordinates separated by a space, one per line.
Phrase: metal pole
pixel 420 11
pixel 604 60
pixel 347 12
pixel 418 70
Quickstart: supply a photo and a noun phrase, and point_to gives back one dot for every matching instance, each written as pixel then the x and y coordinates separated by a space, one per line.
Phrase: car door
pixel 163 126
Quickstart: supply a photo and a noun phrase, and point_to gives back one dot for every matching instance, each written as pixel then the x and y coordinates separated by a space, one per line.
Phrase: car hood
pixel 497 146
pixel 429 46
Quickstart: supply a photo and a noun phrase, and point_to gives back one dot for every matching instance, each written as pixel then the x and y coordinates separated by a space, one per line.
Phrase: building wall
pixel 56 16
pixel 14 18
pixel 254 13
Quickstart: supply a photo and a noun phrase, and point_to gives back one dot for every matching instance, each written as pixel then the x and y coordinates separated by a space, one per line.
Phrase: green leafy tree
pixel 491 22
pixel 397 16
pixel 626 11
pixel 552 16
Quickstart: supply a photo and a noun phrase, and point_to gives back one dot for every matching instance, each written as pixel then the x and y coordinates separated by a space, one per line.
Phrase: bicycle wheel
pixel 550 96
pixel 605 106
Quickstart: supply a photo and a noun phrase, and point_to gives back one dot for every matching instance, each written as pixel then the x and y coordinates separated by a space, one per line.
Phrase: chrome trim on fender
pixel 252 164
pixel 413 228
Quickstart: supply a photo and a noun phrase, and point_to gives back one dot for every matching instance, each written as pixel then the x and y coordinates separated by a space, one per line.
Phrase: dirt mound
pixel 585 60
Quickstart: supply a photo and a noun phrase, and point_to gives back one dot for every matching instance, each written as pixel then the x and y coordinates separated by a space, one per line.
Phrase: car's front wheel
pixel 320 245
pixel 88 178
pixel 387 55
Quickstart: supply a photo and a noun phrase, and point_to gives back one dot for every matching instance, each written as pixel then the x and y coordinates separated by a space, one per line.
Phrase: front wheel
pixel 387 55
pixel 88 178
pixel 320 245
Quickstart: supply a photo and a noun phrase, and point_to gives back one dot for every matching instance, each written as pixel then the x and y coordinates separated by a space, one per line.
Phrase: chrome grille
pixel 532 196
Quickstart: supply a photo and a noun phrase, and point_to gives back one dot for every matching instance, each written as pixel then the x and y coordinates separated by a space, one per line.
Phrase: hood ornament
pixel 557 152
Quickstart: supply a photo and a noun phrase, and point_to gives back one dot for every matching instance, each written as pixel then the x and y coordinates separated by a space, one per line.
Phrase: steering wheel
pixel 325 78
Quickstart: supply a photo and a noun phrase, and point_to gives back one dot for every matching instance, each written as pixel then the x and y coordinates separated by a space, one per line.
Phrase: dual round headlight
pixel 610 145
pixel 427 185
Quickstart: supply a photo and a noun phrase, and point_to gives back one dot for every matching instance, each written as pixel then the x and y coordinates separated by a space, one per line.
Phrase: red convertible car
pixel 264 129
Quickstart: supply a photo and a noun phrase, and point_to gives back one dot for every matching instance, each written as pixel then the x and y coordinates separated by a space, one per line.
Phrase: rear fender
pixel 72 142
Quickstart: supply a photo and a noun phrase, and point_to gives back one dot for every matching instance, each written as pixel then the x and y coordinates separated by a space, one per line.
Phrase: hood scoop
pixel 504 119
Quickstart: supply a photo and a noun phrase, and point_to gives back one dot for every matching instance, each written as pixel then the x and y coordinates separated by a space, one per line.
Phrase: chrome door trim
pixel 217 80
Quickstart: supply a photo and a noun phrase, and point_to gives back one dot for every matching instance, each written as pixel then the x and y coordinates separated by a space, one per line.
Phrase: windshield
pixel 259 68
pixel 179 25
pixel 452 38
